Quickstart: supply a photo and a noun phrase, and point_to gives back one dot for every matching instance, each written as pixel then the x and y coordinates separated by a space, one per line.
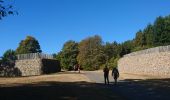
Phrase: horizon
pixel 76 20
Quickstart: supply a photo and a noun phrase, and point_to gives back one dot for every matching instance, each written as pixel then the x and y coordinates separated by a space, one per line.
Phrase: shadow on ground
pixel 129 89
pixel 58 91
pixel 148 89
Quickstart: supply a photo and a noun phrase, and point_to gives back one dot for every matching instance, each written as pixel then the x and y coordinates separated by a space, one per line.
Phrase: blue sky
pixel 53 22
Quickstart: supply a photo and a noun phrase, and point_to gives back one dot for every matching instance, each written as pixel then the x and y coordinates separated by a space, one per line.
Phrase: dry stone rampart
pixel 29 67
pixel 36 64
pixel 153 62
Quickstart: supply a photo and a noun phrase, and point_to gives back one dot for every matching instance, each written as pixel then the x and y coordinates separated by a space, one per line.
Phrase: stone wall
pixel 151 50
pixel 145 62
pixel 31 67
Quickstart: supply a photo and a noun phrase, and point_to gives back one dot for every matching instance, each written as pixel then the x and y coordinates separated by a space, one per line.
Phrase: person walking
pixel 106 75
pixel 115 74
pixel 75 67
pixel 78 68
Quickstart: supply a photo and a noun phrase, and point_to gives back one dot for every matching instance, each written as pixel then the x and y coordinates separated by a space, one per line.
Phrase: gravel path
pixel 96 77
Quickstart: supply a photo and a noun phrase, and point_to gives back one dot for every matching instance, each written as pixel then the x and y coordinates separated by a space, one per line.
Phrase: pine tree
pixel 149 35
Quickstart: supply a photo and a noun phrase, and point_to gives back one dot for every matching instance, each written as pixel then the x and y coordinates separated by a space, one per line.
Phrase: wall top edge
pixel 150 50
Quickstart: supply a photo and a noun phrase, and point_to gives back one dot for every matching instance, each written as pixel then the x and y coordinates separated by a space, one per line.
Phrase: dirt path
pixel 97 76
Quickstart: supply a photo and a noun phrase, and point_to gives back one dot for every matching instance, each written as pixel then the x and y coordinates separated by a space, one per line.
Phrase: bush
pixel 9 58
pixel 9 71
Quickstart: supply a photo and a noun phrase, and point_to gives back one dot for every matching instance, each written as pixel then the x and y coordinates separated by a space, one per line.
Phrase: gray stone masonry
pixel 29 67
pixel 152 62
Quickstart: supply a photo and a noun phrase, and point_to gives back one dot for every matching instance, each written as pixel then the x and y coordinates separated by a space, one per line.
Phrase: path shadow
pixel 57 91
pixel 143 89
pixel 129 89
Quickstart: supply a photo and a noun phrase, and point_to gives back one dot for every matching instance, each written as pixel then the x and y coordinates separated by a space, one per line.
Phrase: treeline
pixel 92 53
pixel 156 34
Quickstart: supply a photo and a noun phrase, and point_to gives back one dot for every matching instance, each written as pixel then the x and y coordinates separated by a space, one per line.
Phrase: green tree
pixel 165 36
pixel 68 54
pixel 9 58
pixel 91 55
pixel 29 45
pixel 6 9
pixel 162 31
pixel 139 39
pixel 0 61
pixel 58 56
pixel 158 30
pixel 126 47
pixel 111 50
pixel 149 34
pixel 113 62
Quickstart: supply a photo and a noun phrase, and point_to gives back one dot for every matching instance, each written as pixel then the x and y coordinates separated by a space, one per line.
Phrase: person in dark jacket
pixel 106 74
pixel 115 74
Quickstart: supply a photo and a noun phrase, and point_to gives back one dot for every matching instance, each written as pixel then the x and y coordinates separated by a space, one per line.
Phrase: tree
pixel 58 56
pixel 9 58
pixel 69 54
pixel 6 10
pixel 162 31
pixel 139 39
pixel 149 34
pixel 126 47
pixel 0 61
pixel 91 55
pixel 110 49
pixel 158 30
pixel 29 45
pixel 113 62
pixel 165 36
